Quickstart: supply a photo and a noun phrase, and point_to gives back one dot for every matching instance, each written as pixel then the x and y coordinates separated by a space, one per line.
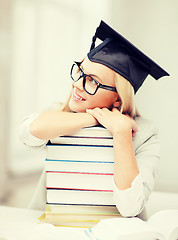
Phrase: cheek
pixel 102 100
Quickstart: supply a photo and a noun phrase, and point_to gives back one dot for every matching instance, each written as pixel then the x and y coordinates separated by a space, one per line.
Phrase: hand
pixel 90 120
pixel 114 121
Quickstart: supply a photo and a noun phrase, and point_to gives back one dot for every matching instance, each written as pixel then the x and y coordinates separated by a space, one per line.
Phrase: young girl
pixel 103 90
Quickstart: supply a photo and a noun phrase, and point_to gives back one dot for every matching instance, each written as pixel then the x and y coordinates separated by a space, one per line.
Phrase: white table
pixel 16 223
pixel 22 224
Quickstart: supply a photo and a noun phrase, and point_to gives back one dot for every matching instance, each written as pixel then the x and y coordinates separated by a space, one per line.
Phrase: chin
pixel 75 108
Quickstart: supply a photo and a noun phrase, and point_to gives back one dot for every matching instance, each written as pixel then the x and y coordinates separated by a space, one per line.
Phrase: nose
pixel 79 84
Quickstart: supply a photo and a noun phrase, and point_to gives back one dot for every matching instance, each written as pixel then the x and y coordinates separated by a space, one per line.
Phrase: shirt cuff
pixel 130 201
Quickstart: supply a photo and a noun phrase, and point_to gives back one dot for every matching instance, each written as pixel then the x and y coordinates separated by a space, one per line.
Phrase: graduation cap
pixel 117 53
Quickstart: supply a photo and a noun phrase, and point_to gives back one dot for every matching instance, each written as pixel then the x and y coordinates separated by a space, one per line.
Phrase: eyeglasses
pixel 90 84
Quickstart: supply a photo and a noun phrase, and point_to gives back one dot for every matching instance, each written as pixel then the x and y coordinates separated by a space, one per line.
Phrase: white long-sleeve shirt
pixel 131 201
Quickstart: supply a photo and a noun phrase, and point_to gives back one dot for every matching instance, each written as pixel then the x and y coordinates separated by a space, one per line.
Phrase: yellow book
pixel 77 219
pixel 51 208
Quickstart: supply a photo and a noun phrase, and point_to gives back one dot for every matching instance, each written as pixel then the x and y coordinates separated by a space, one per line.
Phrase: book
pixel 77 208
pixel 76 220
pixel 80 153
pixel 72 223
pixel 72 196
pixel 79 140
pixel 93 132
pixel 79 174
pixel 87 215
pixel 79 166
pixel 79 180
pixel 162 225
pixel 87 136
pixel 57 219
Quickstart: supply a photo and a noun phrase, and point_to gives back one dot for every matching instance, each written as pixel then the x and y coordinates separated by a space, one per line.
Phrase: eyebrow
pixel 92 75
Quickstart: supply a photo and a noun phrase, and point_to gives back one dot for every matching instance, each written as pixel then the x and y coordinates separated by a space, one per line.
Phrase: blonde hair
pixel 126 97
pixel 65 107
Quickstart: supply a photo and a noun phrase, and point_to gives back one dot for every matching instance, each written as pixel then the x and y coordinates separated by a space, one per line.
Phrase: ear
pixel 117 103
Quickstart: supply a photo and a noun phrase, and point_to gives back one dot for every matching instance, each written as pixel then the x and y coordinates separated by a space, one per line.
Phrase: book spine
pixel 79 197
pixel 79 166
pixel 84 141
pixel 79 180
pixel 80 153
pixel 80 208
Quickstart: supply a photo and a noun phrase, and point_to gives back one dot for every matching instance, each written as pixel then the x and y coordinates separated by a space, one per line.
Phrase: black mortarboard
pixel 123 57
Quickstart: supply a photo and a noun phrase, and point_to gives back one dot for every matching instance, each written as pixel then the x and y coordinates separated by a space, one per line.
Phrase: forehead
pixel 104 73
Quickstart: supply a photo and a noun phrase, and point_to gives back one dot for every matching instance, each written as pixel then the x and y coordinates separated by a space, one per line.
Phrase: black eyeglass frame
pixel 99 85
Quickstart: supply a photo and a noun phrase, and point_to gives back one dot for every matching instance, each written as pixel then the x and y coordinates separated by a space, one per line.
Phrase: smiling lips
pixel 77 97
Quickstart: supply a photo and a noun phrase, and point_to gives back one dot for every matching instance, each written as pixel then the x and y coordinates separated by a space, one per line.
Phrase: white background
pixel 41 40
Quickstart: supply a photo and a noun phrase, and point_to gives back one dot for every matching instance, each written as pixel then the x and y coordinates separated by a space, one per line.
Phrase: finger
pixel 96 113
pixel 114 110
pixel 134 126
pixel 98 110
pixel 105 110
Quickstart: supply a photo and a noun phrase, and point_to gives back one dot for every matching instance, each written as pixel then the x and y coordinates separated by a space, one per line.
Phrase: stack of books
pixel 79 178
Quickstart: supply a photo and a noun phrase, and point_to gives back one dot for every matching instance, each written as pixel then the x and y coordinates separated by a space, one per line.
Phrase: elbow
pixel 130 210
pixel 27 132
pixel 130 204
pixel 34 130
pixel 28 139
pixel 37 131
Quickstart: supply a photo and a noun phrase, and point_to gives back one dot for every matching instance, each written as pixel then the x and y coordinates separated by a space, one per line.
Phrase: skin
pixel 89 110
pixel 102 98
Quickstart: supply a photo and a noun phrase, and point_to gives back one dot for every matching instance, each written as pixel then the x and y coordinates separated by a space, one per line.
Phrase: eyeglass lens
pixel 75 72
pixel 90 85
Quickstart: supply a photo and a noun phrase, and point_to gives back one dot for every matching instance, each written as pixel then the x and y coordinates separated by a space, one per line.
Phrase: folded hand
pixel 114 121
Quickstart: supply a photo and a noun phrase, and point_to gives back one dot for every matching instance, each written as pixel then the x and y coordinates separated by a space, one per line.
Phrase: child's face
pixel 81 100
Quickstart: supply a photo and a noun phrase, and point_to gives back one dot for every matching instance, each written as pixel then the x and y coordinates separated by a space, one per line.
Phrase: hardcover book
pixel 79 178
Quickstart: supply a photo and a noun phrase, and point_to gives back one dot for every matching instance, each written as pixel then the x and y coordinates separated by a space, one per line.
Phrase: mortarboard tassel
pixel 93 42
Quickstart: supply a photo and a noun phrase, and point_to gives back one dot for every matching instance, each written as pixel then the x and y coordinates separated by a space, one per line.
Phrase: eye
pixel 91 80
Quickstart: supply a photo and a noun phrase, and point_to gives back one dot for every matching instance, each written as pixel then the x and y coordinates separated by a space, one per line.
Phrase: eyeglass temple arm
pixel 113 89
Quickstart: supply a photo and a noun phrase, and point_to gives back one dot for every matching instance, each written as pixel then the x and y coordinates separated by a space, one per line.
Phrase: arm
pixel 125 164
pixel 52 124
pixel 134 169
pixel 131 201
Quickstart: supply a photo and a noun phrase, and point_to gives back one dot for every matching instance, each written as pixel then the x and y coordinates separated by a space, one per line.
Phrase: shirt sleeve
pixel 130 202
pixel 25 135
